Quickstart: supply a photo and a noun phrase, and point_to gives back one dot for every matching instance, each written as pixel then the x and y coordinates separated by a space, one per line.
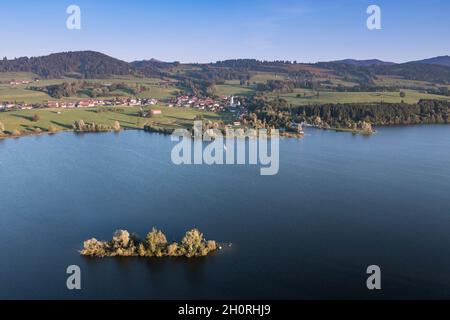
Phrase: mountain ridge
pixel 363 63
pixel 92 64
pixel 439 60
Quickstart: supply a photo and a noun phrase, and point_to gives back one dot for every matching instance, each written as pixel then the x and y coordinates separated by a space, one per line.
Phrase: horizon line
pixel 242 58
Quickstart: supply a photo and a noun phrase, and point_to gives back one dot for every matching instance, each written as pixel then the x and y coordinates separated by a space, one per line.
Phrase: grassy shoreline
pixel 21 123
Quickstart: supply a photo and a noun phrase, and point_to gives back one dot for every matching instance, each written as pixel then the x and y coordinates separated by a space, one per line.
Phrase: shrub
pixel 123 245
pixel 211 245
pixel 52 129
pixel 173 250
pixel 79 126
pixel 149 127
pixel 116 126
pixel 121 239
pixel 95 248
pixel 142 251
pixel 35 118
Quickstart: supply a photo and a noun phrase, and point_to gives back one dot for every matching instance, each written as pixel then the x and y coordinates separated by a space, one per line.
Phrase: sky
pixel 208 31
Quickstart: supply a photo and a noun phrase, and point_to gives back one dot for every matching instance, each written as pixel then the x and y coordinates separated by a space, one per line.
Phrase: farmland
pixel 307 97
pixel 267 90
pixel 128 117
pixel 21 93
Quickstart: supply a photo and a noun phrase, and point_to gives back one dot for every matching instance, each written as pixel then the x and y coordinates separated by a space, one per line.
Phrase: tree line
pixel 91 89
pixel 281 114
pixel 155 245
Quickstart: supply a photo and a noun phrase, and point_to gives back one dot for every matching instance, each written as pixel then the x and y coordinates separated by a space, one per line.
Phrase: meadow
pixel 22 94
pixel 307 97
pixel 128 117
pixel 163 90
pixel 233 88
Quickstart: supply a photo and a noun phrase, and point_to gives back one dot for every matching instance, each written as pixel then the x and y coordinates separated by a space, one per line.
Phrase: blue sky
pixel 205 31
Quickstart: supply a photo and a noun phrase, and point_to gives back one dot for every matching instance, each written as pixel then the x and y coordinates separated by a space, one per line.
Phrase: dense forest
pixel 439 74
pixel 280 114
pixel 90 89
pixel 153 68
pixel 253 65
pixel 415 71
pixel 82 64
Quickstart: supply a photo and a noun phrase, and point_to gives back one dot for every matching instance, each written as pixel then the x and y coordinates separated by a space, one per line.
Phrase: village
pixel 235 106
pixel 84 103
pixel 221 104
pixel 208 104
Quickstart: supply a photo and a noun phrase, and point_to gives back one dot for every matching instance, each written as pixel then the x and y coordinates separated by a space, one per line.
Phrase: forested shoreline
pixel 280 114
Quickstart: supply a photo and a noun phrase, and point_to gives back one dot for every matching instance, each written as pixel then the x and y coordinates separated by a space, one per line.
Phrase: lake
pixel 339 204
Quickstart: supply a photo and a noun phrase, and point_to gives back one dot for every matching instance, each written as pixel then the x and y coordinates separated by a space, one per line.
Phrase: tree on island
pixel 156 242
pixel 155 245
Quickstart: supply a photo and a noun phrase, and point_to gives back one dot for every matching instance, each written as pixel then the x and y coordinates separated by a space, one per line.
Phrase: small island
pixel 155 245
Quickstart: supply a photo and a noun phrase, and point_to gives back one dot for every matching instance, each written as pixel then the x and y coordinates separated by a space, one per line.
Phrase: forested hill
pixel 152 68
pixel 83 64
pixel 90 64
pixel 365 63
pixel 442 61
pixel 415 71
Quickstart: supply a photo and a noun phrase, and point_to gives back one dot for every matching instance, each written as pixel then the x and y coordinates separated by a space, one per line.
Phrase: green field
pixel 8 76
pixel 354 97
pixel 20 93
pixel 233 88
pixel 128 118
pixel 399 82
pixel 158 89
pixel 263 77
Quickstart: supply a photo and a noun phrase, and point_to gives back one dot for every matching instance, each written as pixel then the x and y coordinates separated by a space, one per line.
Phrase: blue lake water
pixel 339 204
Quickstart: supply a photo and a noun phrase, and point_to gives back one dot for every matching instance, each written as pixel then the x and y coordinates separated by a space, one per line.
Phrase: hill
pixel 442 61
pixel 434 73
pixel 152 67
pixel 81 64
pixel 364 63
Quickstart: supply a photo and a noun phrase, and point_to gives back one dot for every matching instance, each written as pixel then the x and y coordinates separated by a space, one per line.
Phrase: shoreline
pixel 43 133
pixel 47 133
pixel 285 135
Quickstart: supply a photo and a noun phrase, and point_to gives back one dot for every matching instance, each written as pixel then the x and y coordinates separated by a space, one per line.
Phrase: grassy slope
pixel 355 97
pixel 20 93
pixel 8 76
pixel 233 88
pixel 172 117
